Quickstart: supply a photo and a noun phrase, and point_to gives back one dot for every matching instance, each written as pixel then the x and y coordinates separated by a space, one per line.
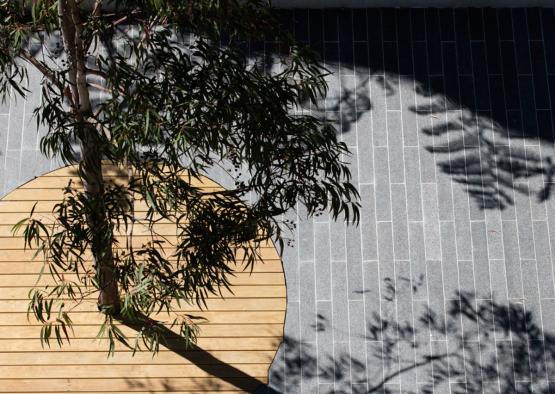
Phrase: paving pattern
pixel 447 284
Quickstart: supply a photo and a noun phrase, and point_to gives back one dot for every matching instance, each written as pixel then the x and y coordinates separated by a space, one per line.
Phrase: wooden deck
pixel 235 348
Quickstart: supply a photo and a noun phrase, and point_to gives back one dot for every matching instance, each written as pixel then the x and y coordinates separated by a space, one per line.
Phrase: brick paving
pixel 447 284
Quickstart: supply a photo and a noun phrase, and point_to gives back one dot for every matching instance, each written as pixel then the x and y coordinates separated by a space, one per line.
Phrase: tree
pixel 179 96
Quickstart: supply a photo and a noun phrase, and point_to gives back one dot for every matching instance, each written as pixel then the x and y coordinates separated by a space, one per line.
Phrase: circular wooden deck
pixel 236 345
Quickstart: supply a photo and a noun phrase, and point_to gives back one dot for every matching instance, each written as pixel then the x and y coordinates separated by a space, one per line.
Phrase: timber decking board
pixel 236 345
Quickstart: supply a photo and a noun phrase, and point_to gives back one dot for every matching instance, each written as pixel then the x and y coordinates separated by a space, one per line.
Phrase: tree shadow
pixel 484 79
pixel 201 358
pixel 473 346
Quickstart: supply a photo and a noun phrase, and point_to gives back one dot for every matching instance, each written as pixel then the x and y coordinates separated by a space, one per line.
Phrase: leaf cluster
pixel 176 94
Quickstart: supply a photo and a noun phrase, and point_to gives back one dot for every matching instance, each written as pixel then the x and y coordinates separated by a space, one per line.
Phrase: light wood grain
pixel 237 342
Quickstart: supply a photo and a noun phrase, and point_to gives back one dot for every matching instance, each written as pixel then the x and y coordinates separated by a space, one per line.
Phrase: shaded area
pixel 480 346
pixel 485 80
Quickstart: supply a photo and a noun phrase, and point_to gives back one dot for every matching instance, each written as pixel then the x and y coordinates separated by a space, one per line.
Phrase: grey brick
pixel 458 387
pixel 338 252
pixel 395 144
pixel 495 235
pixel 339 302
pixel 16 125
pixel 431 222
pixel 292 326
pixel 512 260
pixel 498 280
pixel 423 352
pixel 392 97
pixel 427 166
pixel 444 197
pixel 418 261
pixel 368 222
pixel 29 163
pixel 30 133
pixel 324 332
pixel 412 171
pixel 291 269
pixel 466 278
pixel 404 311
pixel 548 319
pixel 374 362
pixel 357 329
pixel 4 106
pixel 437 298
pixel 383 197
pixel 393 388
pixel 4 122
pixel 372 300
pixel 543 257
pixel 531 294
pixel 525 229
pixel 308 351
pixel 365 148
pixel 322 261
pixel 354 263
pixel 427 159
pixel 379 121
pixel 308 302
pixel 306 236
pixel 11 180
pixel 400 225
pixel 410 123
pixel 449 260
pixel 481 263
pixel 35 94
pixel 462 224
pixel 385 241
pixel 341 352
pixel 439 349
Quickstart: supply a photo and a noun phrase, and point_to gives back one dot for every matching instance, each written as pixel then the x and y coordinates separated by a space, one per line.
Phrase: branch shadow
pixel 483 85
pixel 473 346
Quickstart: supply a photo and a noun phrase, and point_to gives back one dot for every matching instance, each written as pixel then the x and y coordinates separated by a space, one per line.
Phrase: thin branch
pixel 49 75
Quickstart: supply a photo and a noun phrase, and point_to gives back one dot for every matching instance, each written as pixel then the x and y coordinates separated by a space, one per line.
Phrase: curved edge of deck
pixel 235 349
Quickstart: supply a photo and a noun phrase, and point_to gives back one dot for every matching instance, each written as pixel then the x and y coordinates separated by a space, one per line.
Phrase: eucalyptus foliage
pixel 166 91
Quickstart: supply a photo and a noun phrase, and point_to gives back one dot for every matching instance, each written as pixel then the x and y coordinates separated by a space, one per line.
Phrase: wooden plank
pixel 138 240
pixel 164 357
pixel 206 331
pixel 61 181
pixel 78 344
pixel 126 385
pixel 26 255
pixel 26 206
pixel 132 371
pixel 33 267
pixel 29 193
pixel 144 392
pixel 213 304
pixel 21 293
pixel 233 317
pixel 239 278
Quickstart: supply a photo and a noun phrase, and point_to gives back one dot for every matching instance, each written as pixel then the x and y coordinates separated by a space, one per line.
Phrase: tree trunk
pixel 90 168
pixel 90 165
